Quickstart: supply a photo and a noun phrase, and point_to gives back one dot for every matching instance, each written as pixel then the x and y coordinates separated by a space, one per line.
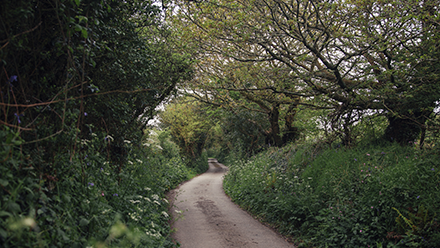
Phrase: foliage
pixel 374 195
pixel 79 81
pixel 99 205
pixel 354 56
pixel 190 127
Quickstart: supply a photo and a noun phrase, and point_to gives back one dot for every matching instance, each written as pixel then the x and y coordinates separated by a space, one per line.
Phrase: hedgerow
pixel 371 196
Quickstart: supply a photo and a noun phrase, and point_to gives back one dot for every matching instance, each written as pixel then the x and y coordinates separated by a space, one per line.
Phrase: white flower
pixel 155 197
pixel 146 188
pixel 165 214
pixel 130 162
pixel 127 141
pixel 108 137
pixel 158 203
pixel 165 200
pixel 139 161
pixel 94 134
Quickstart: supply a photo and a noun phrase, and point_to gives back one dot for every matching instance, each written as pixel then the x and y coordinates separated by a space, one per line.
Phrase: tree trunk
pixel 402 130
pixel 274 137
pixel 291 132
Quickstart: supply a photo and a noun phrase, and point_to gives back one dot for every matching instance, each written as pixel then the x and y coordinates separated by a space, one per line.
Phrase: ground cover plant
pixel 372 196
pixel 89 202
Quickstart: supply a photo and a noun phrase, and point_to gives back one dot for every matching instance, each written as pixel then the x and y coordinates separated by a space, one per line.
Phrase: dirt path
pixel 211 220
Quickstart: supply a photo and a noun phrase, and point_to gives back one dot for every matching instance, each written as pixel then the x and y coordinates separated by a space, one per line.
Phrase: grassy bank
pixel 89 201
pixel 371 196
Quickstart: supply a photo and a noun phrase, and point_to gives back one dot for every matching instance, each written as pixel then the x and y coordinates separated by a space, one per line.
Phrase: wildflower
pixel 130 162
pixel 418 197
pixel 12 79
pixel 372 207
pixel 355 160
pixel 165 214
pixel 91 184
pixel 368 154
pixel 85 114
pixel 115 194
pixel 102 193
pixel 18 117
pixel 382 153
pixel 139 161
pixel 360 230
pixel 380 193
pixel 127 141
pixel 433 169
pixel 146 188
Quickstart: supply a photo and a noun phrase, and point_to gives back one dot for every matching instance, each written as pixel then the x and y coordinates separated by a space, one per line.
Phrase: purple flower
pixel 18 117
pixel 91 184
pixel 418 197
pixel 355 160
pixel 115 194
pixel 85 113
pixel 12 79
pixel 433 169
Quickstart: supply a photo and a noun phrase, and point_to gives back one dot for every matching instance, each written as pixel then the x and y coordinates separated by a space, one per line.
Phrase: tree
pixel 188 125
pixel 356 55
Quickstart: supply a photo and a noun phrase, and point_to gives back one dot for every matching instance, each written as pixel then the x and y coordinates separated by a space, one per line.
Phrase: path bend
pixel 211 220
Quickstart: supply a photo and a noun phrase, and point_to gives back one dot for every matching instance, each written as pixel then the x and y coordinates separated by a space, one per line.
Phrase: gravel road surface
pixel 209 219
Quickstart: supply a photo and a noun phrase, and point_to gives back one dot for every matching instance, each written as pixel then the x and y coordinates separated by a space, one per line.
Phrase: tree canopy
pixel 359 56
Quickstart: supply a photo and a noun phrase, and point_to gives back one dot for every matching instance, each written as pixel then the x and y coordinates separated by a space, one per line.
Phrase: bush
pixel 89 201
pixel 362 197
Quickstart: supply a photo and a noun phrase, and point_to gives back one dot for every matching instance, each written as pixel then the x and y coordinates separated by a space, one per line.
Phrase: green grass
pixel 371 196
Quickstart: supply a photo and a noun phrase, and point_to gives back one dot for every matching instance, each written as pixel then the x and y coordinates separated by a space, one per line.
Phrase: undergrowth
pixel 371 196
pixel 88 202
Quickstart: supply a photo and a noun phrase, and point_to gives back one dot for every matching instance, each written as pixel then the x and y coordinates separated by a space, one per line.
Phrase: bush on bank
pixel 88 202
pixel 372 196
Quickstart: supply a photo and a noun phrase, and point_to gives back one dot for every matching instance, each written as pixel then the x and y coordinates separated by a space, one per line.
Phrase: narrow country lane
pixel 211 220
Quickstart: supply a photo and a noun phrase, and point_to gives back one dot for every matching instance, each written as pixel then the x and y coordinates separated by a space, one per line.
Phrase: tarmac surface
pixel 203 216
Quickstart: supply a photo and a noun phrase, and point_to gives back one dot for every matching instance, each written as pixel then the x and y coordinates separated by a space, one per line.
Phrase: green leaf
pixel 14 207
pixel 3 233
pixel 4 182
pixel 83 222
pixel 4 213
pixel 77 2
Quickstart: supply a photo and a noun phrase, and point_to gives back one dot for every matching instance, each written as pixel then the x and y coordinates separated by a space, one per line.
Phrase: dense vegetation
pixel 379 195
pixel 80 79
pixel 325 111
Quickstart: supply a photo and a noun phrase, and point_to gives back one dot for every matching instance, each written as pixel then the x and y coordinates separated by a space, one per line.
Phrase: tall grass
pixel 371 196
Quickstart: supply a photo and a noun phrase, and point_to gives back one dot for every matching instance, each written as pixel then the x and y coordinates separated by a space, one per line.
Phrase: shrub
pixel 361 197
